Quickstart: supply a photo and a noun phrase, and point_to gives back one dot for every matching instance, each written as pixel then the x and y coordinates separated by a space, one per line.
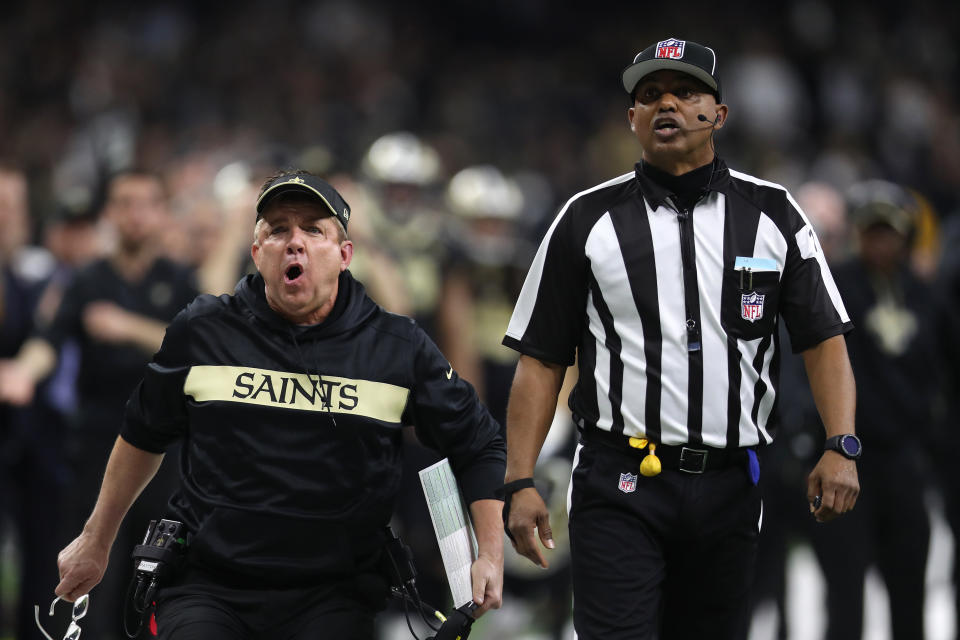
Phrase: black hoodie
pixel 292 435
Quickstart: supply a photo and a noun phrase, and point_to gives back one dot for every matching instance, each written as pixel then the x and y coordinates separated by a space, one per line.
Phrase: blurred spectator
pixel 947 437
pixel 377 269
pixel 768 91
pixel 483 275
pixel 895 355
pixel 400 169
pixel 795 450
pixel 100 90
pixel 71 237
pixel 209 226
pixel 925 248
pixel 32 474
pixel 14 215
pixel 827 211
pixel 116 308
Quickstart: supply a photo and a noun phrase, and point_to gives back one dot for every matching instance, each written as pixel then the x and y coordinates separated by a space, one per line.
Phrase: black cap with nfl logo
pixel 309 184
pixel 677 55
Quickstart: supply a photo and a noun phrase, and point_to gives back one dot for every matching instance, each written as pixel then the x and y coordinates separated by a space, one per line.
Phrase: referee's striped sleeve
pixel 548 320
pixel 548 316
pixel 810 303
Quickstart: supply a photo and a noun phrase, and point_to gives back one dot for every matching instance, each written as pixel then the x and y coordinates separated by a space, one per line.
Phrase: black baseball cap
pixel 308 184
pixel 678 55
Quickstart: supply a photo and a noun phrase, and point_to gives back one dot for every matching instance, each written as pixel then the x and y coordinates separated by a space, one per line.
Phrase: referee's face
pixel 299 252
pixel 664 119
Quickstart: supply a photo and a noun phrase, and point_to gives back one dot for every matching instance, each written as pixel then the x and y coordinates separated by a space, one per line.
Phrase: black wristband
pixel 506 492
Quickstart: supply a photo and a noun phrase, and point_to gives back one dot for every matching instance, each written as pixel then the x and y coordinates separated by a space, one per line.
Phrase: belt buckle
pixel 693 460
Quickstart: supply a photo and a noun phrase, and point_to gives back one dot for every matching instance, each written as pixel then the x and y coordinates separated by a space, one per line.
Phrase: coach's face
pixel 300 251
pixel 664 119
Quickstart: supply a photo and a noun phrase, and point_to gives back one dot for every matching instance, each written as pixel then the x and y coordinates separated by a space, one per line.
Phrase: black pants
pixel 199 609
pixel 672 559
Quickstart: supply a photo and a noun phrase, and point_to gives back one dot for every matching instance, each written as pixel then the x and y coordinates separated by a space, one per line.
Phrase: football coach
pixel 289 397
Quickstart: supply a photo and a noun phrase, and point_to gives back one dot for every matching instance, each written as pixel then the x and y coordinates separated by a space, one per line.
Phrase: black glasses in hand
pixel 79 610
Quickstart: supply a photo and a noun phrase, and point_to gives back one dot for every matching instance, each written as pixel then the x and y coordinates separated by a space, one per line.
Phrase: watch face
pixel 851 446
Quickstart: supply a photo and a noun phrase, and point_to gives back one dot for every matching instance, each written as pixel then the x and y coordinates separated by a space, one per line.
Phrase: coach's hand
pixel 486 574
pixel 528 512
pixel 82 564
pixel 834 480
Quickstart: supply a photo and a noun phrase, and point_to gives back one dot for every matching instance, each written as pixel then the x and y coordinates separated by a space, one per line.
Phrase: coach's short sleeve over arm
pixel 156 414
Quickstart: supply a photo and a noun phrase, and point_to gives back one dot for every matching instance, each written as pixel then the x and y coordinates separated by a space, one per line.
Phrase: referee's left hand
pixel 835 480
pixel 527 519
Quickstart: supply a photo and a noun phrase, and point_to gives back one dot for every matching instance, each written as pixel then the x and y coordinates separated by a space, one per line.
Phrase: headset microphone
pixel 711 124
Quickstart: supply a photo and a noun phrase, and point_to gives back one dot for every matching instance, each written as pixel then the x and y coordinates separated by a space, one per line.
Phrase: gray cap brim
pixel 633 74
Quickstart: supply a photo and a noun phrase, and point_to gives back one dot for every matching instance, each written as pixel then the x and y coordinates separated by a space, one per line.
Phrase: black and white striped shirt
pixel 673 313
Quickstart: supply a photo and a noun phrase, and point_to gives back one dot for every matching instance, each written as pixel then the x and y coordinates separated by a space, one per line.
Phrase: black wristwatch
pixel 848 445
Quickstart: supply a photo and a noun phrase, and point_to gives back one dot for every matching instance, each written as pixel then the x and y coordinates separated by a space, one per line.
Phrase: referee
pixel 667 283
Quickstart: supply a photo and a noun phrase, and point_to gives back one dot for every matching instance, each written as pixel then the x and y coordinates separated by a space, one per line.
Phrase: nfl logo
pixel 671 48
pixel 628 482
pixel 751 306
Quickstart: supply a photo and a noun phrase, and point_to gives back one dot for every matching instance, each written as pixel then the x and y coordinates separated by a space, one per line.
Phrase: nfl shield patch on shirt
pixel 751 306
pixel 628 482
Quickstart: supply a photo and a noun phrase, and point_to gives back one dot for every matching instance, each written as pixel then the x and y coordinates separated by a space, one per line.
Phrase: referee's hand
pixel 528 512
pixel 832 486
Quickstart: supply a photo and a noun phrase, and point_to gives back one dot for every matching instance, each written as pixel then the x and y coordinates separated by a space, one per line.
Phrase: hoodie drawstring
pixel 328 402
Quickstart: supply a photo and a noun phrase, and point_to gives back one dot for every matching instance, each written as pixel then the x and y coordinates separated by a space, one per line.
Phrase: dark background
pixel 816 89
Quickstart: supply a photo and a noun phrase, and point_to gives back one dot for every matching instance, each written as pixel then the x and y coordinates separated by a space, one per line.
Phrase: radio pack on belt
pixel 161 550
pixel 160 554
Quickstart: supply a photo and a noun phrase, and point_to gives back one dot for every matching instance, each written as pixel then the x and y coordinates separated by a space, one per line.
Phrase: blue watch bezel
pixel 851 438
pixel 839 444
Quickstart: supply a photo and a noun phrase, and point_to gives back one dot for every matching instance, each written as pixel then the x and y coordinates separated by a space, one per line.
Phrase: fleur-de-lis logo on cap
pixel 346 213
pixel 296 179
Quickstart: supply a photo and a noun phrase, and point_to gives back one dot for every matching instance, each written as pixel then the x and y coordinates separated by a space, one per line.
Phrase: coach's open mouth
pixel 293 272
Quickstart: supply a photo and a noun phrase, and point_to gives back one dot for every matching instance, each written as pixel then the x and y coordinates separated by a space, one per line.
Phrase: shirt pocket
pixel 749 302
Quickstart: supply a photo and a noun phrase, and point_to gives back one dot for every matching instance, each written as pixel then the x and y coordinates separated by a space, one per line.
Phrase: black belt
pixel 686 458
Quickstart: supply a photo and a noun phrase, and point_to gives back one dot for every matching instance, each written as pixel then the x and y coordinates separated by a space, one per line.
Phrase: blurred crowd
pixel 455 130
